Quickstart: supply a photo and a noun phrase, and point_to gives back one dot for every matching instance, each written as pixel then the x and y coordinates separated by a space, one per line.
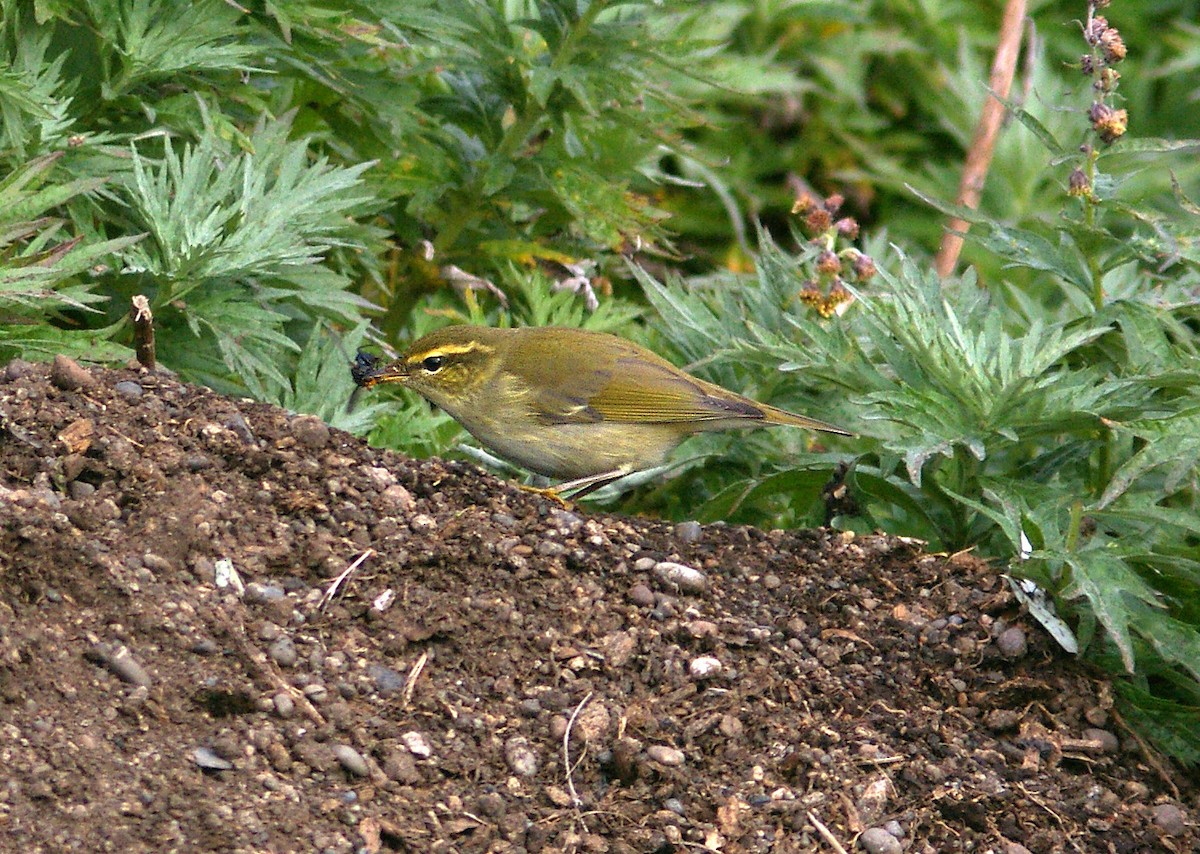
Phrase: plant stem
pixel 1089 217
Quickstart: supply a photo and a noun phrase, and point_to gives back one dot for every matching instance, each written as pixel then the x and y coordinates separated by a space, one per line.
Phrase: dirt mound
pixel 181 671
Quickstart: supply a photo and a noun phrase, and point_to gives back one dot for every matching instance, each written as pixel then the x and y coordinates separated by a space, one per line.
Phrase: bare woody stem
pixel 979 157
pixel 143 331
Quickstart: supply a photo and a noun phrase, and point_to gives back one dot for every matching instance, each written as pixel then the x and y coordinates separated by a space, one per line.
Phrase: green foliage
pixel 867 99
pixel 262 172
pixel 1049 419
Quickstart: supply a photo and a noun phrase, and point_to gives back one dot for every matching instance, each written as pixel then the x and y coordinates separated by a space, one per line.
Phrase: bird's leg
pixel 547 492
pixel 579 487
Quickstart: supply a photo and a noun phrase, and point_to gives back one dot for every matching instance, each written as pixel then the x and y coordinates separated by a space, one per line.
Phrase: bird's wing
pixel 599 382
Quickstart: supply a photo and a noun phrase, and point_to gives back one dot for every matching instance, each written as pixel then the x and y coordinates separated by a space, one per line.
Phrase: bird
pixel 582 407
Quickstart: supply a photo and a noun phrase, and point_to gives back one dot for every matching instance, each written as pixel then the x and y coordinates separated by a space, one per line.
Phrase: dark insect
pixel 364 365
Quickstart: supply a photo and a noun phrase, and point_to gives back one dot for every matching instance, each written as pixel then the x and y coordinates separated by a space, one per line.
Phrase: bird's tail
pixel 775 415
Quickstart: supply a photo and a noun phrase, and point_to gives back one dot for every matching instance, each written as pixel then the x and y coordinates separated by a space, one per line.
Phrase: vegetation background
pixel 286 180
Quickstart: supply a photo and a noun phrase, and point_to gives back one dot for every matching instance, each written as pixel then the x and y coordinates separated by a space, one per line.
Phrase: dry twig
pixel 826 834
pixel 143 331
pixel 575 802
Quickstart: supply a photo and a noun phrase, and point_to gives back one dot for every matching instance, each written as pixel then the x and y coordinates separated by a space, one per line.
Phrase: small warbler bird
pixel 583 407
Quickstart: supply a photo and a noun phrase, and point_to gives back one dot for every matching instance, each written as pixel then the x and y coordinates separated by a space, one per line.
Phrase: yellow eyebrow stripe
pixel 448 350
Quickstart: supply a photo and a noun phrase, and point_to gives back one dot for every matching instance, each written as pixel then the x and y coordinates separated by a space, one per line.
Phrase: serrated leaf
pixel 1102 577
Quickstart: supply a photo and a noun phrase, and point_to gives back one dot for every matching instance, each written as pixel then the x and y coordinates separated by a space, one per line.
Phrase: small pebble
pixel 387 680
pixel 1170 819
pixel 566 521
pixel 285 706
pixel 674 805
pixel 121 662
pixel 876 840
pixel 492 804
pixel 351 760
pixel 704 667
pixel 422 523
pixel 663 755
pixel 642 596
pixel 129 389
pixel 688 532
pixel 210 761
pixel 399 766
pixel 1109 743
pixel 257 592
pixel 237 422
pixel 17 368
pixel 310 431
pixel 283 652
pixel 520 756
pixel 1011 642
pixel 681 577
pixel 417 744
pixel 68 375
pixel 80 489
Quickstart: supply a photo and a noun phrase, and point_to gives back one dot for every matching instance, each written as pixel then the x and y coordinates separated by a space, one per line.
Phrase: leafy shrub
pixel 1050 419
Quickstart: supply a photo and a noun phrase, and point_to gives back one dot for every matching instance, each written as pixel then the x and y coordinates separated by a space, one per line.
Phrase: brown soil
pixel 495 673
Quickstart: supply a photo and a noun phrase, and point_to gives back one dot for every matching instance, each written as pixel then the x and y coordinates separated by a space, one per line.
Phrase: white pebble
pixel 351 760
pixel 682 577
pixel 704 667
pixel 417 744
pixel 663 755
pixel 520 756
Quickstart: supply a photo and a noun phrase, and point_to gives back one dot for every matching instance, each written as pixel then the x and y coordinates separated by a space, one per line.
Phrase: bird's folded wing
pixel 636 391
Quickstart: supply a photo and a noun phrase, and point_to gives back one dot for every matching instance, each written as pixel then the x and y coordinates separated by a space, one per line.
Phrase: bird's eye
pixel 433 364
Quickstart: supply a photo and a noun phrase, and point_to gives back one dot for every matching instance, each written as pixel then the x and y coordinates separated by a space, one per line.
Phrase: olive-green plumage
pixel 585 407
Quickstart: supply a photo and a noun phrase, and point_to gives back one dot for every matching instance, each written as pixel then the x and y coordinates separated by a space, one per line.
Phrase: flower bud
pixel 1113 46
pixel 818 221
pixel 1078 184
pixel 805 203
pixel 847 227
pixel 864 268
pixel 828 263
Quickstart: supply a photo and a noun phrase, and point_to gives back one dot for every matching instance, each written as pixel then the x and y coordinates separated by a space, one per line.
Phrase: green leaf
pixel 1105 580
